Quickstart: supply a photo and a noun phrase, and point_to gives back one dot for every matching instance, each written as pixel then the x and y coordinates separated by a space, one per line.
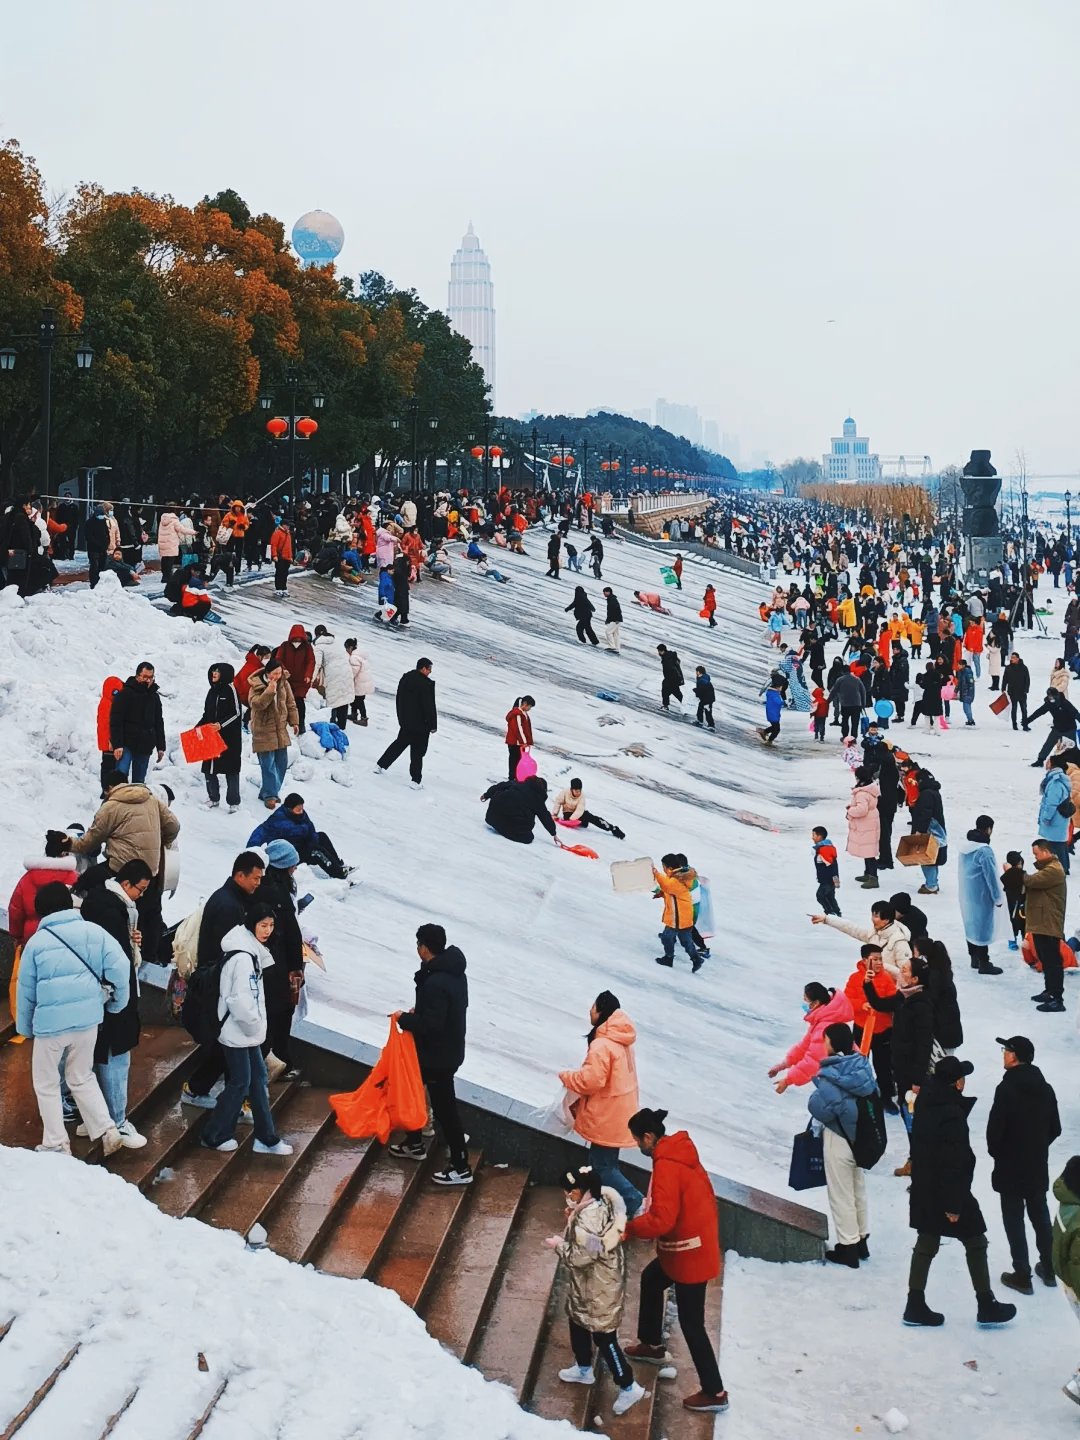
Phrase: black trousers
pixel 690 1302
pixel 208 1071
pixel 323 854
pixel 339 716
pixel 588 818
pixel 1019 702
pixel 607 1343
pixel 96 559
pixel 885 847
pixel 849 720
pixel 667 691
pixel 704 713
pixel 1012 1217
pixel 881 1056
pixel 444 1111
pixel 826 898
pixel 513 755
pixel 416 742
pixel 1048 950
pixel 585 632
pixel 281 574
pixel 359 708
pixel 151 925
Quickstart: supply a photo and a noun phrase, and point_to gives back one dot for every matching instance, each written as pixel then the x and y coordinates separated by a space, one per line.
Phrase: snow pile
pixel 304 1354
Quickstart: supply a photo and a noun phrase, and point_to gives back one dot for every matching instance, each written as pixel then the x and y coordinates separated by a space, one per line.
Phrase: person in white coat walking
pixel 363 682
pixel 333 676
pixel 242 1012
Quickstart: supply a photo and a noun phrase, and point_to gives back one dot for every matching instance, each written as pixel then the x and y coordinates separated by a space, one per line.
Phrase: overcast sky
pixel 781 211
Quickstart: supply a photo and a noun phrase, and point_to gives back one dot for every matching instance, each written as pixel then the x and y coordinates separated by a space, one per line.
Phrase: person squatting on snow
pixel 519 735
pixel 844 1076
pixel 569 804
pixel 515 806
pixel 437 1023
pixel 680 1214
pixel 70 973
pixel 241 1010
pixel 608 1089
pixel 591 1247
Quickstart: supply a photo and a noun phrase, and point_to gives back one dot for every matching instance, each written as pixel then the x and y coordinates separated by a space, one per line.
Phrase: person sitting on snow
pixel 570 805
pixel 291 822
pixel 515 806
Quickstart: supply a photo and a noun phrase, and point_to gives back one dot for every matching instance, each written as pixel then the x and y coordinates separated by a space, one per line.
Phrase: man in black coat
pixel 225 908
pixel 941 1204
pixel 136 724
pixel 672 677
pixel 515 806
pixel 437 1024
pixel 899 678
pixel 96 534
pixel 112 906
pixel 418 720
pixel 282 981
pixel 1016 682
pixel 1023 1124
pixel 612 619
pixel 1064 718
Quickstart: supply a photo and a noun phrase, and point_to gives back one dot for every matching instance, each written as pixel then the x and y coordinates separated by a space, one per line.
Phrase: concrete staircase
pixel 469 1261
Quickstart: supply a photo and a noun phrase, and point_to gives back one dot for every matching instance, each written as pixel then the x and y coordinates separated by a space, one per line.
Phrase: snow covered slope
pixel 304 1354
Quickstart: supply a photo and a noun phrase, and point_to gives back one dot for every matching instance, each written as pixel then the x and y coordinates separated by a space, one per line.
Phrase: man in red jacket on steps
pixel 680 1214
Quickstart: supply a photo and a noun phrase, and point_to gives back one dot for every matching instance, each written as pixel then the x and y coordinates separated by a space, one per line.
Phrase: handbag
pixel 1066 809
pixel 807 1160
pixel 16 560
pixel 1000 705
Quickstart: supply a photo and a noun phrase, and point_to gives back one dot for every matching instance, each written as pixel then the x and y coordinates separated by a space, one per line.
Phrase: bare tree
pixel 799 472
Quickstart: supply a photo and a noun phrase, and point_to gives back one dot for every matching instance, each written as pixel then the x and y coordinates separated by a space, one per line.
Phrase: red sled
pixel 1027 954
pixel 201 744
pixel 1000 705
pixel 582 850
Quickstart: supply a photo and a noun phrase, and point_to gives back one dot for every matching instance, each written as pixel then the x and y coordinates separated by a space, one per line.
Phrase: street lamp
pixel 266 402
pixel 432 423
pixel 1068 516
pixel 47 335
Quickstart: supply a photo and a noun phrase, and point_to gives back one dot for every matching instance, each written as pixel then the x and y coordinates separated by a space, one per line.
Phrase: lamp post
pixel 1068 516
pixel 432 423
pixel 46 336
pixel 266 401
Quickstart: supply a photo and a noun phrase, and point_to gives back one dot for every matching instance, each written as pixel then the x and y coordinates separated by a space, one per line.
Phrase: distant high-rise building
pixel 731 447
pixel 681 420
pixel 645 416
pixel 849 459
pixel 471 305
pixel 710 435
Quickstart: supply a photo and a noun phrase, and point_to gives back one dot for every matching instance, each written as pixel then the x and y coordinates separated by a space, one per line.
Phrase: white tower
pixel 472 303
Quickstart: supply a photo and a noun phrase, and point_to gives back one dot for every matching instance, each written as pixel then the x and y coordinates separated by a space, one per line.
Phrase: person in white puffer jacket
pixel 333 676
pixel 242 1012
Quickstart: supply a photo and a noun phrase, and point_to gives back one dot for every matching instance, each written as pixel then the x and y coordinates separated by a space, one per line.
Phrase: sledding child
pixel 595 1257
pixel 1012 882
pixel 827 870
pixel 819 709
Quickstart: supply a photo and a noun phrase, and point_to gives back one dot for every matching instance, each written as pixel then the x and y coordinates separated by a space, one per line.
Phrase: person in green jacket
pixel 1066 1254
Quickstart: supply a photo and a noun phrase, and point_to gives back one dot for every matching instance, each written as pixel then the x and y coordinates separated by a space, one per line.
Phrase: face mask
pixel 806 1007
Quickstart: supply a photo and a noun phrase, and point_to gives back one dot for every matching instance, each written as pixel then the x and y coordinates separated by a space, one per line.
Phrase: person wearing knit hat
pixel 282 855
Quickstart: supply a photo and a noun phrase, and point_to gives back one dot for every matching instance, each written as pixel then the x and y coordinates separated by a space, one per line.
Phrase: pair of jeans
pixel 134 766
pixel 605 1161
pixel 113 1079
pixel 444 1111
pixel 968 716
pixel 930 876
pixel 1012 1217
pixel 1061 850
pixel 416 742
pixel 826 898
pixel 976 663
pixel 245 1079
pixel 690 1302
pixel 610 1351
pixel 685 937
pixel 273 765
pixel 232 788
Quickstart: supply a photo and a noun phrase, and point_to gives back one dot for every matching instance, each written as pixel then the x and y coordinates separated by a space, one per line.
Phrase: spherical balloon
pixel 317 238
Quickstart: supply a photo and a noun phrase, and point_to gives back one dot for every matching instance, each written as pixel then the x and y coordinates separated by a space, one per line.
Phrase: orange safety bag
pixel 392 1096
pixel 201 744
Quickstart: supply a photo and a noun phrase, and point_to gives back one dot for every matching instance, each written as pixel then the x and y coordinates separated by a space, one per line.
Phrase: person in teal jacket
pixel 69 974
pixel 1054 792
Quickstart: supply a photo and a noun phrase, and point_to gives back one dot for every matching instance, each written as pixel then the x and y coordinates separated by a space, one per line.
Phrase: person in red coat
pixel 110 688
pixel 254 660
pixel 708 606
pixel 519 736
pixel 297 658
pixel 38 871
pixel 680 1214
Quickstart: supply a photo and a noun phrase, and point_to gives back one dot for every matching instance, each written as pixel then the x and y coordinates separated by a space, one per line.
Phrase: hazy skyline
pixel 780 212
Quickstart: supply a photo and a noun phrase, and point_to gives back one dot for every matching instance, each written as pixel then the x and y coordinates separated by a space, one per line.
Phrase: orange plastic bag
pixel 392 1096
pixel 202 743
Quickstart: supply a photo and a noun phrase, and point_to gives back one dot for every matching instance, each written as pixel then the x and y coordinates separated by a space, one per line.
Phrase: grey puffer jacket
pixel 596 1261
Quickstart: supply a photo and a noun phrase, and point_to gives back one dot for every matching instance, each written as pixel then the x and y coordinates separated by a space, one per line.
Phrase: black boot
pixel 862 1249
pixel 918 1312
pixel 985 968
pixel 844 1255
pixel 1013 1280
pixel 994 1312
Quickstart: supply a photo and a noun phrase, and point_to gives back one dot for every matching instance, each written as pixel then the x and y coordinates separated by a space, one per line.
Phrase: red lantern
pixel 615 465
pixel 604 465
pixel 567 459
pixel 556 459
pixel 477 452
pixel 495 452
pixel 277 427
pixel 306 427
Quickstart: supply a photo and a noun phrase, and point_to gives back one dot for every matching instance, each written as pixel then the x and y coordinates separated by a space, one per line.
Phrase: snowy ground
pixel 544 931
pixel 304 1354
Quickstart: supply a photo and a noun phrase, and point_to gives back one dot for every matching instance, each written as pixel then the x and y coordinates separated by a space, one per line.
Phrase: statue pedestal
pixel 981 555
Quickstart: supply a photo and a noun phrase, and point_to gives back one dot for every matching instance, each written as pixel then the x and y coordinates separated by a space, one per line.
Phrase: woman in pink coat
pixel 608 1086
pixel 823 1007
pixel 864 825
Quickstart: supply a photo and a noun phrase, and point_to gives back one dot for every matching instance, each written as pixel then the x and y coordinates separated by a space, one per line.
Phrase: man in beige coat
pixel 273 715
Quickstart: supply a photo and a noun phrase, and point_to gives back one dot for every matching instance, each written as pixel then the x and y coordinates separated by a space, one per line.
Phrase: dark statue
pixel 981 488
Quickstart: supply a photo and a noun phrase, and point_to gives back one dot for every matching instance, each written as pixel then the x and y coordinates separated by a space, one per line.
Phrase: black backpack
pixel 199 1014
pixel 870 1138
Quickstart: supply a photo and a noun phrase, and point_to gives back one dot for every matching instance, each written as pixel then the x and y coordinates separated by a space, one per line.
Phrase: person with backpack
pixel 112 905
pixel 226 908
pixel 843 1079
pixel 595 1257
pixel 70 973
pixel 519 736
pixel 671 682
pixel 241 1024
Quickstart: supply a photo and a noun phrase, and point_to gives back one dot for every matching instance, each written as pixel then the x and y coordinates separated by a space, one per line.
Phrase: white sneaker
pixel 1071 1388
pixel 201 1102
pixel 233 809
pixel 210 804
pixel 378 770
pixel 579 1375
pixel 53 1149
pixel 628 1397
pixel 130 1137
pixel 281 1148
pixel 226 1145
pixel 417 784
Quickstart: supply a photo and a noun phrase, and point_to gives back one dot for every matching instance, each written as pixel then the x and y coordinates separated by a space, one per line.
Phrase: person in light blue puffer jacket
pixel 844 1075
pixel 69 973
pixel 1054 791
